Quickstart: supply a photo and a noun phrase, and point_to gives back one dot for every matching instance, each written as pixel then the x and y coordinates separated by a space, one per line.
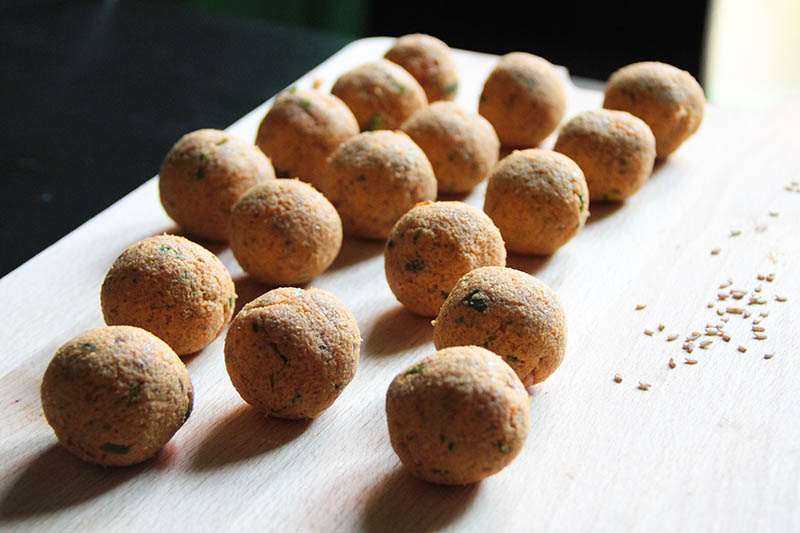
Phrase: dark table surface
pixel 93 95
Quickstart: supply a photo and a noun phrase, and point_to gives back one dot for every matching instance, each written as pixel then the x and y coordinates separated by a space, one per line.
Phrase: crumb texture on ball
pixel 457 416
pixel 615 150
pixel 203 175
pixel 285 232
pixel 115 396
pixel 432 246
pixel 509 312
pixel 302 129
pixel 291 352
pixel 539 199
pixel 374 178
pixel 431 63
pixel 461 146
pixel 171 287
pixel 668 99
pixel 381 94
pixel 524 99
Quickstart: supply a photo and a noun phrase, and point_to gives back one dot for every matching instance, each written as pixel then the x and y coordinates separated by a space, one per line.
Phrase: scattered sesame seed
pixel 756 300
pixel 760 336
pixel 688 361
pixel 756 321
pixel 771 277
pixel 672 362
pixel 780 298
pixel 672 337
pixel 720 311
pixel 709 305
pixel 738 295
pixel 763 314
pixel 773 213
pixel 746 314
pixel 705 344
pixel 639 307
pixel 734 310
pixel 761 277
pixel 643 386
pixel 617 378
pixel 648 332
pixel 726 337
pixel 758 329
pixel 758 289
pixel 741 348
pixel 735 232
pixel 722 296
pixel 715 251
pixel 769 355
pixel 661 327
pixel 710 332
pixel 689 347
pixel 725 318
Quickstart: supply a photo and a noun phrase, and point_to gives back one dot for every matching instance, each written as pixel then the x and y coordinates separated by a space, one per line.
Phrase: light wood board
pixel 710 447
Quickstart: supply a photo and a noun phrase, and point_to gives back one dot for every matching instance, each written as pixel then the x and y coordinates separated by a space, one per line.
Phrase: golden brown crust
pixel 461 146
pixel 374 178
pixel 114 396
pixel 285 232
pixel 431 63
pixel 173 288
pixel 203 175
pixel 539 199
pixel 667 98
pixel 291 352
pixel 432 246
pixel 302 129
pixel 510 313
pixel 524 99
pixel 457 416
pixel 381 94
pixel 614 149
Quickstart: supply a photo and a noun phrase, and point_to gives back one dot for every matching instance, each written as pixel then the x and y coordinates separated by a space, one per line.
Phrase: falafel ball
pixel 431 63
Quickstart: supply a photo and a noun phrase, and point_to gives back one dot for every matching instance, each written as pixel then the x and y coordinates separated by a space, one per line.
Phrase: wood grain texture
pixel 710 447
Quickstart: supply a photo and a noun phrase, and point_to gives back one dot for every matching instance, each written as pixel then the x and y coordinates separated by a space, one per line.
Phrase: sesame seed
pixel 617 378
pixel 705 344
pixel 756 321
pixel 639 307
pixel 711 331
pixel 688 361
pixel 763 314
pixel 769 355
pixel 758 289
pixel 726 338
pixel 722 296
pixel 735 232
pixel 756 300
pixel 738 295
pixel 758 329
pixel 780 298
pixel 725 318
pixel 709 305
pixel 672 337
pixel 759 336
pixel 648 332
pixel 689 347
pixel 715 251
pixel 741 348
pixel 720 311
pixel 661 327
pixel 746 314
pixel 672 362
pixel 644 386
pixel 735 310
pixel 761 277
pixel 773 213
pixel 771 277
pixel 727 284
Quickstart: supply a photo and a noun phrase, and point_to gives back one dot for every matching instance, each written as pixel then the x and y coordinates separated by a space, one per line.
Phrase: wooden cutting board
pixel 711 446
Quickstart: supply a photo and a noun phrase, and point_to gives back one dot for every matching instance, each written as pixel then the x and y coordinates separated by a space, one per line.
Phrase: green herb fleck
pixel 296 398
pixel 390 243
pixel 399 87
pixel 222 141
pixel 583 202
pixel 277 351
pixel 230 302
pixel 166 249
pixel 255 326
pixel 444 294
pixel 488 341
pixel 304 103
pixel 118 449
pixel 90 346
pixel 460 320
pixel 451 156
pixel 134 393
pixel 415 265
pixel 451 89
pixel 450 446
pixel 477 302
pixel 467 156
pixel 292 89
pixel 511 358
pixel 201 173
pixel 612 195
pixel 417 369
pixel 439 471
pixel 281 173
pixel 503 447
pixel 361 177
pixel 527 80
pixel 323 346
pixel 417 234
pixel 442 438
pixel 376 122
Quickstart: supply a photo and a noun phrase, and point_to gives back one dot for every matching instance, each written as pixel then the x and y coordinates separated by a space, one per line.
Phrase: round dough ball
pixel 374 178
pixel 203 175
pixel 285 232
pixel 457 416
pixel 461 146
pixel 510 313
pixel 524 99
pixel 429 60
pixel 614 149
pixel 173 288
pixel 432 246
pixel 291 352
pixel 381 94
pixel 115 395
pixel 538 199
pixel 667 98
pixel 301 130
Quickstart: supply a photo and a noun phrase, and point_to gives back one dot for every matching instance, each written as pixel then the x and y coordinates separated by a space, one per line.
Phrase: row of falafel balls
pixel 369 159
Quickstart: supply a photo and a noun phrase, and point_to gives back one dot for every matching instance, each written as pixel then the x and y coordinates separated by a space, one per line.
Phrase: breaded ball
pixel 509 312
pixel 381 94
pixel 291 352
pixel 614 149
pixel 524 99
pixel 457 416
pixel 432 246
pixel 374 178
pixel 203 175
pixel 115 395
pixel 285 232
pixel 461 146
pixel 431 63
pixel 173 288
pixel 538 199
pixel 302 129
pixel 669 99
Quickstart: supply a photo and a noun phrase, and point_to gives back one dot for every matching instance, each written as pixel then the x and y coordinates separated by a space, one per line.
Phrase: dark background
pixel 93 94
